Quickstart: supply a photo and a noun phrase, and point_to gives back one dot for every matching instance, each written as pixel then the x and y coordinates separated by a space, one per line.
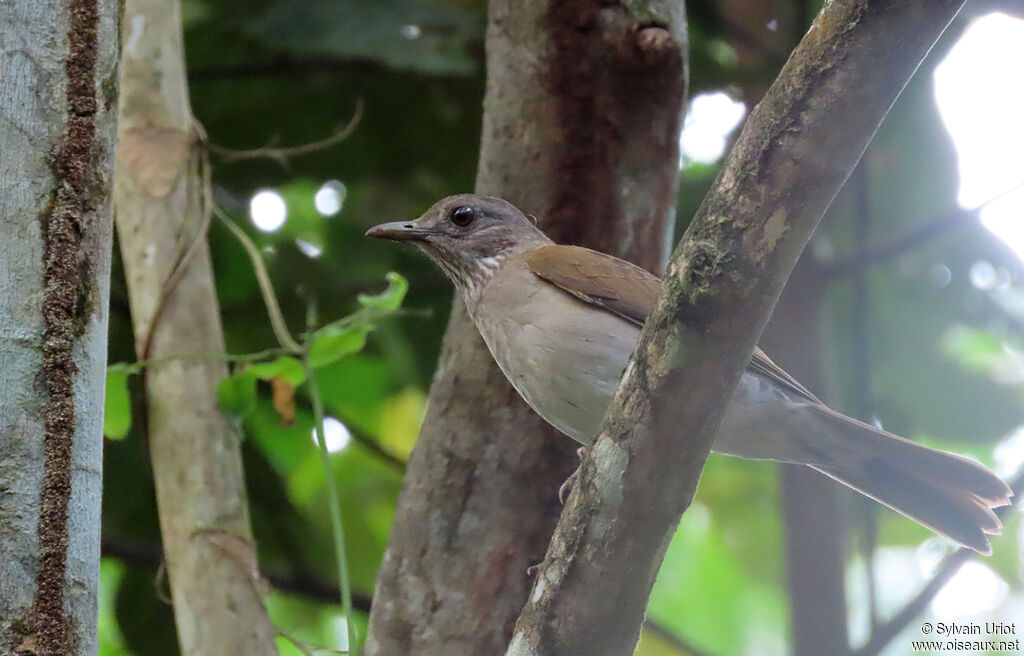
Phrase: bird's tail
pixel 948 493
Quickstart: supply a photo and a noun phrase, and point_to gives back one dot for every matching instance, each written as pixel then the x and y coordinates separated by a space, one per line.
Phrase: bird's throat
pixel 471 275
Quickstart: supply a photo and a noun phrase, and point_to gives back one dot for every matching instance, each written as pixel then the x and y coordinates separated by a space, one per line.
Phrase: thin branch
pixel 301 583
pixel 282 154
pixel 374 447
pixel 672 639
pixel 284 338
pixel 308 648
pixel 919 235
pixel 946 570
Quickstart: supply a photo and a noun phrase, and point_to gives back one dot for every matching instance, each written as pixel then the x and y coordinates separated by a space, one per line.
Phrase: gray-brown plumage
pixel 562 321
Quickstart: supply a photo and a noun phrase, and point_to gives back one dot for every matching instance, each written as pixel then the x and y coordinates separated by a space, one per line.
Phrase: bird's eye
pixel 462 216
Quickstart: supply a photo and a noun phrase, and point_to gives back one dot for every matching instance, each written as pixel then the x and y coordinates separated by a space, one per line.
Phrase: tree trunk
pixel 814 531
pixel 581 127
pixel 161 218
pixel 794 153
pixel 59 84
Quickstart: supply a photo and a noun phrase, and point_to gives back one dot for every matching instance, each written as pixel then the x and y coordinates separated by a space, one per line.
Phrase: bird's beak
pixel 398 231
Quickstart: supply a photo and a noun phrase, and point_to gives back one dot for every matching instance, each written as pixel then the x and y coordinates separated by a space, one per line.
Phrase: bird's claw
pixel 564 488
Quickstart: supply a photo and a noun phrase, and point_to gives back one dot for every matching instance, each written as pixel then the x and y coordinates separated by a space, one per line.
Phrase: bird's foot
pixel 564 488
pixel 533 569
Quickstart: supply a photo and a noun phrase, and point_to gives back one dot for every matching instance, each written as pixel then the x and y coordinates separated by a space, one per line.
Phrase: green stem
pixel 333 504
pixel 284 337
pixel 135 367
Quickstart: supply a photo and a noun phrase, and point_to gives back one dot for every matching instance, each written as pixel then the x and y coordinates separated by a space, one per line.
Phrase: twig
pixel 137 366
pixel 926 231
pixel 376 449
pixel 302 583
pixel 308 648
pixel 277 322
pixel 949 566
pixel 669 637
pixel 282 154
pixel 180 266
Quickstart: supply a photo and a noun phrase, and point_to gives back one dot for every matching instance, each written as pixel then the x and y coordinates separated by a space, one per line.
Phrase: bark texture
pixel 794 153
pixel 159 199
pixel 59 83
pixel 581 127
pixel 809 501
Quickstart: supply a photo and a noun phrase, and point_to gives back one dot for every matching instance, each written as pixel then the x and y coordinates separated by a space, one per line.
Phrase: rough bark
pixel 581 126
pixel 808 500
pixel 795 151
pixel 57 136
pixel 814 532
pixel 196 459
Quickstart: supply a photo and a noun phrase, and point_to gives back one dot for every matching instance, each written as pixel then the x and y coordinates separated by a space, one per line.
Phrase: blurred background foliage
pixel 938 341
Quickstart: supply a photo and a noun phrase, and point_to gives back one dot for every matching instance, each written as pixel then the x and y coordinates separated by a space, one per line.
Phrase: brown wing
pixel 614 284
pixel 762 365
pixel 628 291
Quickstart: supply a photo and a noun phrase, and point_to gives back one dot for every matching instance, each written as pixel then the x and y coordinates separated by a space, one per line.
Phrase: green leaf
pixel 236 394
pixel 391 298
pixel 332 343
pixel 117 406
pixel 284 367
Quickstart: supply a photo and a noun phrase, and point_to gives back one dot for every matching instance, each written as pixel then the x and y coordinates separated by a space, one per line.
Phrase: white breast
pixel 564 357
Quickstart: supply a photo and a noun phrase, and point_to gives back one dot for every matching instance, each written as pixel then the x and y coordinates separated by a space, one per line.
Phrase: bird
pixel 561 322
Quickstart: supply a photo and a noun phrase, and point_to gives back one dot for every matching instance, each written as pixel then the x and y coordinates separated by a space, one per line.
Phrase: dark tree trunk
pixel 581 128
pixel 814 534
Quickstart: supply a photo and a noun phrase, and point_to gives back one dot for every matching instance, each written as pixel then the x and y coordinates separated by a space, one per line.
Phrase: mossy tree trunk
pixel 57 111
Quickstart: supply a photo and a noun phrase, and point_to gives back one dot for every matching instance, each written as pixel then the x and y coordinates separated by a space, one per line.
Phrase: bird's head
pixel 468 236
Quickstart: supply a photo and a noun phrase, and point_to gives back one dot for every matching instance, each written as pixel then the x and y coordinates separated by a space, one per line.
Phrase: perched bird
pixel 562 321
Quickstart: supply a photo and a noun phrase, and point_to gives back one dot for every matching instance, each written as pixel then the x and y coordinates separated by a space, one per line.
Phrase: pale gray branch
pixel 162 199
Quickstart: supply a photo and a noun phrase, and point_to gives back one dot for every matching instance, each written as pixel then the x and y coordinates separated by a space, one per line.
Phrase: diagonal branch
pixel 795 152
pixel 281 154
pixel 925 231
